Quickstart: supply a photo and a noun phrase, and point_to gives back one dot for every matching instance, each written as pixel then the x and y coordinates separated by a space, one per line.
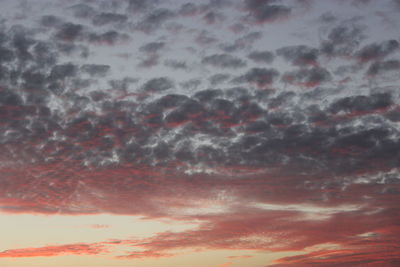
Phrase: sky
pixel 221 133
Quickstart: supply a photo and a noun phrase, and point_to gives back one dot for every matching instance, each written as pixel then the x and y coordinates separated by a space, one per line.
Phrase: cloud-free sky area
pixel 212 133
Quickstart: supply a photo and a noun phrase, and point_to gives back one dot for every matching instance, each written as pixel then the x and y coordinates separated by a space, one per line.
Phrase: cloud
pixel 299 55
pixel 227 264
pixel 244 42
pixel 213 17
pixel 140 6
pixel 362 103
pixel 107 38
pixel 265 11
pixel 154 20
pixel 307 77
pixel 95 69
pixel 377 51
pixel 224 61
pixel 207 146
pixel 218 78
pixel 382 67
pixel 108 18
pixel 82 10
pixel 261 56
pixel 69 32
pixel 52 251
pixel 152 47
pixel 343 40
pixel 261 77
pixel 158 84
pixel 189 9
pixel 175 64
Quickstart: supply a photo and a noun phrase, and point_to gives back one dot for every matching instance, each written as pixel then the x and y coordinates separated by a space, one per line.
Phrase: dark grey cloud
pixel 299 55
pixel 362 103
pixel 59 72
pixel 22 43
pixel 327 18
pixel 207 95
pixel 70 32
pixel 377 51
pixel 224 61
pixel 261 56
pixel 382 67
pixel 6 54
pixel 107 38
pixel 152 47
pixel 281 99
pixel 140 6
pixel 261 77
pixel 51 21
pixel 218 78
pixel 189 9
pixel 155 20
pixel 158 84
pixel 96 69
pixel 307 77
pixel 343 40
pixel 82 10
pixel 212 17
pixel 176 64
pixel 205 38
pixel 264 11
pixel 108 18
pixel 191 84
pixel 244 42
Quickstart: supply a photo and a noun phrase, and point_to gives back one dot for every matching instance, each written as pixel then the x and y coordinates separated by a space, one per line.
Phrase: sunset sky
pixel 211 133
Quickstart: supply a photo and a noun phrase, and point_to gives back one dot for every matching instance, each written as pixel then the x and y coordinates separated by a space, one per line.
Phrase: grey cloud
pixel 8 97
pixel 51 21
pixel 107 18
pixel 262 11
pixel 218 78
pixel 109 37
pixel 224 61
pixel 154 20
pixel 327 18
pixel 6 54
pixel 381 67
pixel 63 71
pixel 188 9
pixel 152 47
pixel 212 17
pixel 175 64
pixel 362 103
pixel 191 84
pixel 261 56
pixel 95 69
pixel 207 95
pixel 158 84
pixel 244 42
pixel 70 32
pixel 377 51
pixel 299 55
pixel 82 10
pixel 343 40
pixel 140 5
pixel 205 38
pixel 307 77
pixel 261 76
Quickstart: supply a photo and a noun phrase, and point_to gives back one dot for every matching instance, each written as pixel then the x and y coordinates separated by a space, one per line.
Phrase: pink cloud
pixel 51 251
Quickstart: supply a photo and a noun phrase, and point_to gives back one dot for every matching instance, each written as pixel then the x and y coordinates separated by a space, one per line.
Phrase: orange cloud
pixel 51 251
pixel 227 264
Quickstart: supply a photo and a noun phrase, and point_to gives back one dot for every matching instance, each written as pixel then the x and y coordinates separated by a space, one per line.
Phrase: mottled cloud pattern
pixel 198 111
